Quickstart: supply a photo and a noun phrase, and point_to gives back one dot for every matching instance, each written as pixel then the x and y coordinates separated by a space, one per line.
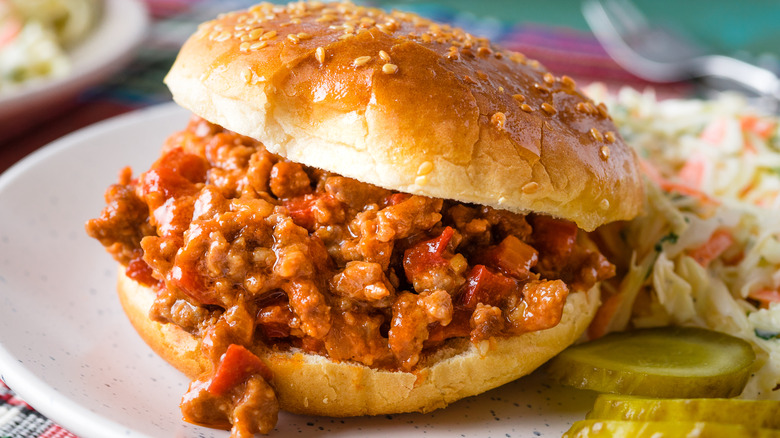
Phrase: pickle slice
pixel 671 362
pixel 752 413
pixel 666 429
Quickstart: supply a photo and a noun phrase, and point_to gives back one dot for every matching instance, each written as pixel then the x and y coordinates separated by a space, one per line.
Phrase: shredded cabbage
pixel 706 250
pixel 36 34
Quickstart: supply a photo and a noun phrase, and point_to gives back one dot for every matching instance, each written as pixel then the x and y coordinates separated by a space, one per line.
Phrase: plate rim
pixel 52 403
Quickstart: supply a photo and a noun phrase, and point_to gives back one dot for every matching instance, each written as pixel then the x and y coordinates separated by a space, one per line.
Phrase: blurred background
pixel 554 32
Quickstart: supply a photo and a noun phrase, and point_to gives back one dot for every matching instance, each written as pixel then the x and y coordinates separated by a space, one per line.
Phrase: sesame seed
pixel 527 108
pixel 304 36
pixel 268 35
pixel 500 89
pixel 541 88
pixel 604 204
pixel 425 168
pixel 604 152
pixel 582 107
pixel 389 68
pixel 602 110
pixel 246 75
pixel 319 54
pixel 568 82
pixel 499 55
pixel 384 56
pixel 517 57
pixel 326 18
pixel 549 78
pixel 596 134
pixel 256 33
pixel 222 36
pixel 518 97
pixel 244 47
pixel 549 109
pixel 609 136
pixel 258 45
pixel 484 51
pixel 530 188
pixel 421 180
pixel 293 38
pixel 361 61
pixel 469 79
pixel 498 119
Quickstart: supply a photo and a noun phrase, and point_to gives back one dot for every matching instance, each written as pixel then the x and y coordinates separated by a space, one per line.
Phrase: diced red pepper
pixel 192 283
pixel 396 198
pixel 422 255
pixel 486 287
pixel 302 208
pixel 459 327
pixel 512 256
pixel 554 238
pixel 235 367
pixel 140 271
pixel 175 174
pixel 274 320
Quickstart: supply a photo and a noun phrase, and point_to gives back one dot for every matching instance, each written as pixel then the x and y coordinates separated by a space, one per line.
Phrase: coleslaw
pixel 706 251
pixel 36 34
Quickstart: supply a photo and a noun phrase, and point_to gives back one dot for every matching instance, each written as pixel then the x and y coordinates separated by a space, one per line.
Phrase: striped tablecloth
pixel 561 50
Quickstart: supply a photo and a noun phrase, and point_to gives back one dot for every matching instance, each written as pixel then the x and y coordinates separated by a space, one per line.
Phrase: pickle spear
pixel 751 413
pixel 671 362
pixel 666 429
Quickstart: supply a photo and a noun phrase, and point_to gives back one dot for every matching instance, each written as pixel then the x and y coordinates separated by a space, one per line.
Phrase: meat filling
pixel 246 248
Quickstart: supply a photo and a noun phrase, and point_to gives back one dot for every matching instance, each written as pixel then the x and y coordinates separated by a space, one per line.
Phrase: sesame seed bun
pixel 400 102
pixel 311 384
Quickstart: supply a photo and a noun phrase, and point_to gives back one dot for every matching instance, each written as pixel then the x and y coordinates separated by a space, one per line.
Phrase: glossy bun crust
pixel 311 384
pixel 397 101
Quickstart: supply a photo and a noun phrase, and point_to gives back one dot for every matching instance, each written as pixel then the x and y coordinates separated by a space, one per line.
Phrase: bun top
pixel 401 102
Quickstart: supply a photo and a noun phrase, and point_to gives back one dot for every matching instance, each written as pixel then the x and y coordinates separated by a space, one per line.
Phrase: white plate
pixel 67 348
pixel 105 50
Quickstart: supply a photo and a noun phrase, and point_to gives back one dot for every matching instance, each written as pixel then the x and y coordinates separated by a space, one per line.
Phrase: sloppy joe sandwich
pixel 368 213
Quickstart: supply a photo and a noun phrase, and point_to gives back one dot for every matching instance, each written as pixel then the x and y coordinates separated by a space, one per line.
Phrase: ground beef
pixel 246 247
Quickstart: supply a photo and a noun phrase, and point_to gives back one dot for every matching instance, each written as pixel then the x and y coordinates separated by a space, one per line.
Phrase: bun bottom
pixel 315 385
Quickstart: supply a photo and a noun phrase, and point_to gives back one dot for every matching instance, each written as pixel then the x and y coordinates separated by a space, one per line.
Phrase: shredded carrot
pixel 718 243
pixel 670 186
pixel 765 297
pixel 714 132
pixel 9 30
pixel 692 173
pixel 762 127
pixel 604 315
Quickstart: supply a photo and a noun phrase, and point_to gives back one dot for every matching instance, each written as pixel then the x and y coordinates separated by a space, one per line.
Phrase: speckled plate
pixel 67 348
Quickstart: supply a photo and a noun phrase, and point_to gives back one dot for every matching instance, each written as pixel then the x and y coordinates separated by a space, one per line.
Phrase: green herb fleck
pixel 671 238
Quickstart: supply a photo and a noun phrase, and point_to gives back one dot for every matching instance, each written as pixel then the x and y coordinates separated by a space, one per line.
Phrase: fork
pixel 660 54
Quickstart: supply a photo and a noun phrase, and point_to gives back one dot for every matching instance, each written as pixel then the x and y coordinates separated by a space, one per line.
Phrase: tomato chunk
pixel 235 367
pixel 486 287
